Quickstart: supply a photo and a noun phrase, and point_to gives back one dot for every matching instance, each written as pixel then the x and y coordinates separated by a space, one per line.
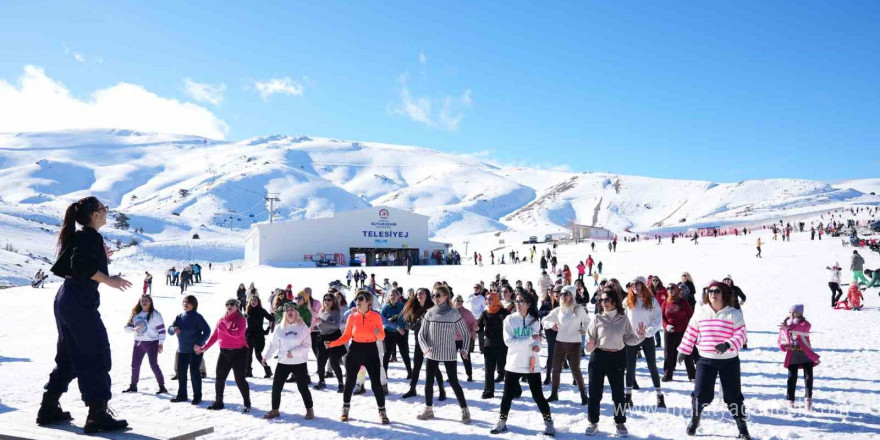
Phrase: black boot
pixel 268 372
pixel 553 396
pixel 627 401
pixel 585 399
pixel 131 389
pixel 50 410
pixel 360 389
pixel 743 429
pixel 661 402
pixel 694 423
pixel 102 418
pixel 162 390
pixel 410 393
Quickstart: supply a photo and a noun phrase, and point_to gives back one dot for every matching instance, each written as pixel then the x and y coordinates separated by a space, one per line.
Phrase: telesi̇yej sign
pixel 384 224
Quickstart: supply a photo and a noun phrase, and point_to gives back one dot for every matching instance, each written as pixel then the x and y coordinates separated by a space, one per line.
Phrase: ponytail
pixel 78 212
pixel 68 227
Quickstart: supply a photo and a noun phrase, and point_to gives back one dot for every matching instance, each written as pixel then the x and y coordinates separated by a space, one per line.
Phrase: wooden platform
pixel 21 425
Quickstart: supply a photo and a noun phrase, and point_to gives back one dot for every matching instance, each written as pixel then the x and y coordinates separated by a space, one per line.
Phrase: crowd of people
pixel 359 330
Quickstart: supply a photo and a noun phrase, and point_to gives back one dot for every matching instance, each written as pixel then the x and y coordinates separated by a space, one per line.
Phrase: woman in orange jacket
pixel 364 328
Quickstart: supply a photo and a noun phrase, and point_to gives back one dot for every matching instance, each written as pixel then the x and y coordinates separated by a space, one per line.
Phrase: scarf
pixel 493 304
pixel 443 308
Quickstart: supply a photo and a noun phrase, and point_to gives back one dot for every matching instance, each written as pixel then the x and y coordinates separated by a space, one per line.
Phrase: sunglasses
pixel 520 302
pixel 328 299
pixel 606 299
pixel 231 304
pixel 361 298
pixel 437 295
pixel 299 298
pixel 726 280
pixel 565 293
pixel 714 291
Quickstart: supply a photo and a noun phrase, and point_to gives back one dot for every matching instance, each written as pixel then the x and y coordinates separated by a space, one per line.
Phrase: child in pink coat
pixel 794 340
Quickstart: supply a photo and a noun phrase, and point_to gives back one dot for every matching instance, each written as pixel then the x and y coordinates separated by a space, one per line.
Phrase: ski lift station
pixel 376 236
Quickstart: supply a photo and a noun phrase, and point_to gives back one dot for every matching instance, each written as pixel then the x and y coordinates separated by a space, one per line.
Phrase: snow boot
pixel 273 414
pixel 743 429
pixel 661 402
pixel 622 431
pixel 102 418
pixel 500 427
pixel 694 424
pixel 592 429
pixel 487 395
pixel 410 393
pixel 627 401
pixel 217 405
pixel 360 389
pixel 442 394
pixel 50 410
pixel 553 396
pixel 465 416
pixel 383 417
pixel 268 372
pixel 162 390
pixel 344 416
pixel 319 386
pixel 549 430
pixel 585 398
pixel 131 389
pixel 310 414
pixel 427 414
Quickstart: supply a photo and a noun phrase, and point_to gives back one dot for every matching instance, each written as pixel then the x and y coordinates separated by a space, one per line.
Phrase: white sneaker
pixel 592 429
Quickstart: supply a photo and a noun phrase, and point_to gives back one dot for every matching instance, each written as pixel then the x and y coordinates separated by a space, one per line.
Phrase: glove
pixel 722 347
pixel 681 358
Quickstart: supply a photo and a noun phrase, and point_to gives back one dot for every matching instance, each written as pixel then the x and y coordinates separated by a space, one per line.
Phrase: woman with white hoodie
pixel 292 341
pixel 522 335
pixel 570 321
pixel 149 334
pixel 643 308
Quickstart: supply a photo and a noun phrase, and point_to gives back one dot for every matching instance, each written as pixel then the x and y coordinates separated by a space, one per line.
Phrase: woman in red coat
pixel 676 314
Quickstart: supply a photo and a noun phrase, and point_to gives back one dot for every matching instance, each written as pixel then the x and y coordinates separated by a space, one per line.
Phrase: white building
pixel 584 232
pixel 375 236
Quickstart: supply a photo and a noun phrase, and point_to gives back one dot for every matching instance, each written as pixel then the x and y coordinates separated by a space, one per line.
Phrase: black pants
pixel 256 344
pixel 650 352
pixel 551 348
pixel 282 371
pixel 363 354
pixel 334 355
pixel 235 360
pixel 608 364
pixel 82 351
pixel 673 340
pixel 418 359
pixel 836 293
pixel 496 359
pixel 393 339
pixel 512 388
pixel 452 377
pixel 481 340
pixel 189 362
pixel 468 366
pixel 792 380
pixel 704 385
pixel 315 342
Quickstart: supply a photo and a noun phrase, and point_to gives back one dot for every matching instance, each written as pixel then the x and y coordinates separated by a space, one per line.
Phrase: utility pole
pixel 272 198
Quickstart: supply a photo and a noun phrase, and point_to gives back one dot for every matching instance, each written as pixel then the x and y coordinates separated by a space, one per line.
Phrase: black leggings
pixel 512 388
pixel 393 339
pixel 551 348
pixel 363 354
pixel 468 366
pixel 608 364
pixel 418 358
pixel 331 354
pixel 256 344
pixel 836 293
pixel 452 376
pixel 649 350
pixel 282 371
pixel 235 360
pixel 495 359
pixel 792 380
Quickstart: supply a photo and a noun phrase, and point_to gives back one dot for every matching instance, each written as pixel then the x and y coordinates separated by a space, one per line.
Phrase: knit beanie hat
pixel 798 308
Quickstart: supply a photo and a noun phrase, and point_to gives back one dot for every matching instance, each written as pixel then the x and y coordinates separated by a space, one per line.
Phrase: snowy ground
pixel 846 393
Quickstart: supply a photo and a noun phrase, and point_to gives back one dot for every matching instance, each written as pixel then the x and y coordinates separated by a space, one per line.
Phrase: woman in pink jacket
pixel 794 340
pixel 230 332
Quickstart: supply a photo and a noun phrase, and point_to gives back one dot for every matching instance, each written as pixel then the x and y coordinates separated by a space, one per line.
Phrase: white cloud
pixel 423 59
pixel 79 57
pixel 40 103
pixel 422 109
pixel 284 86
pixel 204 92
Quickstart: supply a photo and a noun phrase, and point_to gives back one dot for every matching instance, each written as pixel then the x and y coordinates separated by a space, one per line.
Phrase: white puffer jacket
pixel 571 321
pixel 293 343
pixel 652 318
pixel 518 332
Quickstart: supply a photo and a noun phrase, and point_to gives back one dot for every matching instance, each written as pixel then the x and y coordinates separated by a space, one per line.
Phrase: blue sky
pixel 721 91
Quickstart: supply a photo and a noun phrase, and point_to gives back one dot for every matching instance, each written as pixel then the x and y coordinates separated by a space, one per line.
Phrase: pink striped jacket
pixel 708 328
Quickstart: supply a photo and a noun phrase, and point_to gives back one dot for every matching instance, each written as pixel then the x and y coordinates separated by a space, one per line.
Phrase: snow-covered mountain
pixel 175 186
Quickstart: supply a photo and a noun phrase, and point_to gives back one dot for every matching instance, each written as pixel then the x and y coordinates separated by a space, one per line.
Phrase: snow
pixel 846 392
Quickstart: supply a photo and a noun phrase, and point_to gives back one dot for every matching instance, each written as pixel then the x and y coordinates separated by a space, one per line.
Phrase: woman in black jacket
pixel 491 323
pixel 255 335
pixel 83 349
